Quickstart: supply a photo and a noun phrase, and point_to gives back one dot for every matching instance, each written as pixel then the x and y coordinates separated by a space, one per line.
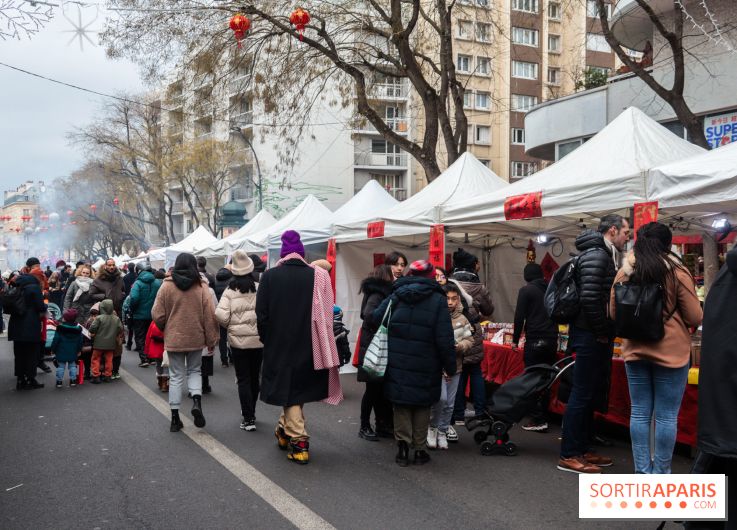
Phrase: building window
pixel 467 99
pixel 518 136
pixel 523 102
pixel 469 134
pixel 592 9
pixel 596 42
pixel 483 134
pixel 190 227
pixel 482 3
pixel 524 36
pixel 464 63
pixel 523 169
pixel 483 100
pixel 483 66
pixel 554 76
pixel 483 32
pixel 465 29
pixel 554 11
pixel 524 70
pixel 485 162
pixel 394 184
pixel 565 148
pixel 525 5
pixel 554 43
pixel 599 70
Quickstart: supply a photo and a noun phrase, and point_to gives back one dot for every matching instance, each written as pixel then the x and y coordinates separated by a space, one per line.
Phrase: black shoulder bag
pixel 639 311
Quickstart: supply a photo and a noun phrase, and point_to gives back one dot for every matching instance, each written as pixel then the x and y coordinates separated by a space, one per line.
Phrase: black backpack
pixel 639 311
pixel 13 300
pixel 561 297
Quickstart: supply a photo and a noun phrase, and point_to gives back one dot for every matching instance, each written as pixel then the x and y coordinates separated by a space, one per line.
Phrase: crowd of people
pixel 282 333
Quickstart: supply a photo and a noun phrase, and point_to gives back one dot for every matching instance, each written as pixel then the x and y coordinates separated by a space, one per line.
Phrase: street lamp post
pixel 258 166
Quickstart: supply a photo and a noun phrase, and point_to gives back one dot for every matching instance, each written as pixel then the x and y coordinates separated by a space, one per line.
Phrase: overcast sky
pixel 35 114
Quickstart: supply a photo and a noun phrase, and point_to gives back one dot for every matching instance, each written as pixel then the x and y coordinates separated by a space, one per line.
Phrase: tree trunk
pixel 711 260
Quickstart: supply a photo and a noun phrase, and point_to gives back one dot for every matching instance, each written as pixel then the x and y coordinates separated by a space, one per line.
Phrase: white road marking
pixel 16 486
pixel 277 497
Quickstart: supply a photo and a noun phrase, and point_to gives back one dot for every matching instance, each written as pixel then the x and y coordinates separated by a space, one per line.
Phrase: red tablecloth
pixel 502 363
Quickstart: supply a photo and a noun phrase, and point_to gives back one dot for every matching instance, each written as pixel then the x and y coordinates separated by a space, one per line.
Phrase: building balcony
pixel 239 84
pixel 383 160
pixel 177 207
pixel 631 24
pixel 388 91
pixel 398 125
pixel 203 81
pixel 242 120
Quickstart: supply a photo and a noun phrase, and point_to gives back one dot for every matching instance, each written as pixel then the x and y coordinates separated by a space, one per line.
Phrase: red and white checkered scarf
pixel 324 350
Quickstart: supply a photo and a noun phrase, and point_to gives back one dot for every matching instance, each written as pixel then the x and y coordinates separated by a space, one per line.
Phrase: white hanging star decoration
pixel 81 29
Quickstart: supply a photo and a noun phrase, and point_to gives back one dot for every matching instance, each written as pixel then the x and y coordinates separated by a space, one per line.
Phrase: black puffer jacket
pixel 594 280
pixel 27 327
pixel 374 292
pixel 222 279
pixel 421 343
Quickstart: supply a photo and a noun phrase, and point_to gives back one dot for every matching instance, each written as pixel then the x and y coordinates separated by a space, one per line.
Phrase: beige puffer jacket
pixel 236 312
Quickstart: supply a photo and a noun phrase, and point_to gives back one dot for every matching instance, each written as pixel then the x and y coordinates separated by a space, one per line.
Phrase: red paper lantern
pixel 299 19
pixel 239 24
pixel 116 201
pixel 74 222
pixel 93 208
pixel 44 217
pixel 70 213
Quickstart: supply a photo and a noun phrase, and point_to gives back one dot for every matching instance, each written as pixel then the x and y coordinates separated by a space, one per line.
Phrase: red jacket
pixel 154 347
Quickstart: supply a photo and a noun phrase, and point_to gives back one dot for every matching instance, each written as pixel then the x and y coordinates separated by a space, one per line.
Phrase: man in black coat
pixel 421 350
pixel 222 279
pixel 541 334
pixel 284 319
pixel 25 331
pixel 128 280
pixel 591 334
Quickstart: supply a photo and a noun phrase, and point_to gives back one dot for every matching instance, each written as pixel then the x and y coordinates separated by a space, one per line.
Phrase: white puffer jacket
pixel 236 312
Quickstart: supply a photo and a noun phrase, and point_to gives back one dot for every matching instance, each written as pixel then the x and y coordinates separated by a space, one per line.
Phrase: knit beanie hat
pixel 241 264
pixel 323 264
pixel 422 268
pixel 533 271
pixel 290 242
pixel 70 316
pixel 464 260
pixel 259 264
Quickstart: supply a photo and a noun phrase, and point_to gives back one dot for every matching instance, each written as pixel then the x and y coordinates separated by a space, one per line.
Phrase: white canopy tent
pixel 166 256
pixel 309 218
pixel 607 173
pixel 217 251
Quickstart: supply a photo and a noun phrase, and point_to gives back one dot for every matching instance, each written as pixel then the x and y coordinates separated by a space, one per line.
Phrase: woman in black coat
pixel 375 289
pixel 25 331
pixel 421 349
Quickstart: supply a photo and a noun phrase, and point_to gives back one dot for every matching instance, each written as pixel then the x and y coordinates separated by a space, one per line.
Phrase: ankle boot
pixel 176 422
pixel 33 384
pixel 199 418
pixel 402 457
pixel 421 457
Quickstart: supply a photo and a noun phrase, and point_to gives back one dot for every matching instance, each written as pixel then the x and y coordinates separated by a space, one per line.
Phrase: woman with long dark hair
pixel 184 311
pixel 375 288
pixel 657 371
pixel 398 262
pixel 236 312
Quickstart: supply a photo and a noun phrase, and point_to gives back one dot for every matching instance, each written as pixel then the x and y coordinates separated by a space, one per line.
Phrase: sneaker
pixel 432 438
pixel 452 434
pixel 442 440
pixel 72 383
pixel 225 364
pixel 58 383
pixel 536 426
pixel 421 457
pixel 248 425
pixel 299 451
pixel 106 379
pixel 459 422
pixel 115 375
pixel 368 434
pixel 598 460
pixel 144 364
pixel 577 464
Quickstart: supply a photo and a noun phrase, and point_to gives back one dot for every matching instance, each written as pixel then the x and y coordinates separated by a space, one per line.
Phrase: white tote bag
pixel 377 353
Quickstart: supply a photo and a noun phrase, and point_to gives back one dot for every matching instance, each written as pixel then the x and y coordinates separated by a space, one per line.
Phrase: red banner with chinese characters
pixel 375 229
pixel 330 257
pixel 437 245
pixel 379 259
pixel 549 266
pixel 523 206
pixel 645 212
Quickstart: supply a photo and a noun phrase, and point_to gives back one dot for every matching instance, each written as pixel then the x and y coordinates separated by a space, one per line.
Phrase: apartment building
pixel 18 219
pixel 513 54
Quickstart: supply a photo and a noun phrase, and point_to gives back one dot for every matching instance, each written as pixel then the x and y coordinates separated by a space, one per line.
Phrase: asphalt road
pixel 102 456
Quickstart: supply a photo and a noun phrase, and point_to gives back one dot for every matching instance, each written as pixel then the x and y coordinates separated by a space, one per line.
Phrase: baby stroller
pixel 510 403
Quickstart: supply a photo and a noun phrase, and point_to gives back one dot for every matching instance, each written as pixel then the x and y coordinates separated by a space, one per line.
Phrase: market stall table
pixel 502 363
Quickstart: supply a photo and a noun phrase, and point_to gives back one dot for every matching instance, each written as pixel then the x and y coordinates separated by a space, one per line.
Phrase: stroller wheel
pixel 487 448
pixel 499 428
pixel 480 436
pixel 510 449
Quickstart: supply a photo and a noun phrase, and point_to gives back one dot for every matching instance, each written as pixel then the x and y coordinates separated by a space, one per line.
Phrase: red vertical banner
pixel 437 245
pixel 645 212
pixel 330 257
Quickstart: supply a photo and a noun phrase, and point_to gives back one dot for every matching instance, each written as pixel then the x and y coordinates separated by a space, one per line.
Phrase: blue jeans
pixel 593 359
pixel 72 371
pixel 654 391
pixel 442 411
pixel 478 391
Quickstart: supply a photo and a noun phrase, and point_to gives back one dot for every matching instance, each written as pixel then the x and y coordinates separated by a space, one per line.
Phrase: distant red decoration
pixel 375 229
pixel 25 218
pixel 240 25
pixel 549 266
pixel 645 212
pixel 116 201
pixel 299 19
pixel 17 229
pixel 531 255
pixel 523 206
pixel 70 213
pixel 74 222
pixel 44 217
pixel 93 207
pixel 437 245
pixel 379 259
